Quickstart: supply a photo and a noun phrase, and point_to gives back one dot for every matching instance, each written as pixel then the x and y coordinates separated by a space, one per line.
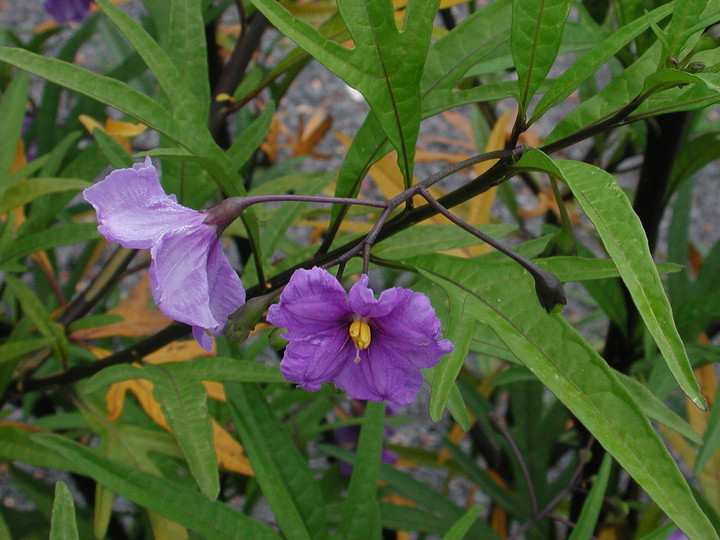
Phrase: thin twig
pixel 498 422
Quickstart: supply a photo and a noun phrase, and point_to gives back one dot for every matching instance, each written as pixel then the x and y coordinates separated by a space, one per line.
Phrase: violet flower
pixel 68 10
pixel 192 280
pixel 677 535
pixel 371 348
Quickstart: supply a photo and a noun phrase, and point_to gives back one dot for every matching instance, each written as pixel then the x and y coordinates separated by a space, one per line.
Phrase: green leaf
pixel 448 60
pixel 622 234
pixel 462 525
pixel 12 111
pixel 63 235
pixel 104 89
pixel 171 80
pixel 36 311
pixel 184 404
pixel 361 513
pixel 112 150
pixel 385 64
pixel 421 493
pixel 656 410
pixel 201 369
pixel 537 28
pixel 170 499
pixel 63 526
pixel 621 90
pixel 586 66
pixel 570 368
pixel 686 14
pixel 246 143
pixel 188 49
pixel 711 439
pixel 280 469
pixel 459 330
pixel 32 188
pixel 433 238
pixel 16 445
pixel 487 483
pixel 14 349
pixel 587 521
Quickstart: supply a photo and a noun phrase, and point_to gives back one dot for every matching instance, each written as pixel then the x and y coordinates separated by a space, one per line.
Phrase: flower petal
pixel 317 358
pixel 379 377
pixel 313 301
pixel 68 10
pixel 225 288
pixel 134 211
pixel 410 327
pixel 361 300
pixel 205 341
pixel 178 275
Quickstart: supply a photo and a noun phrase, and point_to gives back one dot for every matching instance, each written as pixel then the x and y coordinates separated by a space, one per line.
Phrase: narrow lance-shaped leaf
pixel 537 27
pixel 104 89
pixel 280 469
pixel 385 64
pixel 173 500
pixel 686 13
pixel 12 111
pixel 188 50
pixel 169 77
pixel 63 525
pixel 448 60
pixel 586 66
pixel 622 234
pixel 184 404
pixel 361 514
pixel 593 504
pixel 570 368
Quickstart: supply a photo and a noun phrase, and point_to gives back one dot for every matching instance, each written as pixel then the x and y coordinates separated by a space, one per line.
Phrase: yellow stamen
pixel 360 334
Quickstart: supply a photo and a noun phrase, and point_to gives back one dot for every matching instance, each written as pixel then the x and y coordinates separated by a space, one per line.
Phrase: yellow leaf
pixel 230 453
pixel 138 318
pixel 19 159
pixel 123 129
pixel 119 131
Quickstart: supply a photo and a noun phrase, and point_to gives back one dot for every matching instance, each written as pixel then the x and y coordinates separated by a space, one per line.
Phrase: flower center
pixel 360 334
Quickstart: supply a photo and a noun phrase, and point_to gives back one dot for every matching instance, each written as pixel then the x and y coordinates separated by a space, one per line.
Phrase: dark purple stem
pixel 230 209
pixel 548 287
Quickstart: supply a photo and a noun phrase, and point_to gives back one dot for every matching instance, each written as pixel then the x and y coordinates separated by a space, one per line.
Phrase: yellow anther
pixel 360 334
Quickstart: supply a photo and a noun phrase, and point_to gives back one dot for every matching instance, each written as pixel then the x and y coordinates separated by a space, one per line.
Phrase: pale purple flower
pixel 371 348
pixel 678 535
pixel 192 280
pixel 68 10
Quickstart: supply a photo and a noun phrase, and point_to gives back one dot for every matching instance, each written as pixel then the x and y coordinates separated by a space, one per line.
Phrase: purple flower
pixel 677 535
pixel 192 280
pixel 68 10
pixel 371 348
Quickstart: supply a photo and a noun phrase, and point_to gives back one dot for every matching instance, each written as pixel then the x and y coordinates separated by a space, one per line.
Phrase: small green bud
pixel 246 317
pixel 695 67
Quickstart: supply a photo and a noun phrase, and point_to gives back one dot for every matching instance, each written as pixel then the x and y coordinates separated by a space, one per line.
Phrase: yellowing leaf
pixel 120 131
pixel 138 318
pixel 230 453
pixel 123 129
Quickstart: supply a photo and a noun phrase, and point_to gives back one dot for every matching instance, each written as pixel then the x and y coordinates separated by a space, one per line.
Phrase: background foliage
pixel 553 425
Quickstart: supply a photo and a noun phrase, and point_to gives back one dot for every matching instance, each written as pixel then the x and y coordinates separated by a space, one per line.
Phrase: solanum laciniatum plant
pixel 510 332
